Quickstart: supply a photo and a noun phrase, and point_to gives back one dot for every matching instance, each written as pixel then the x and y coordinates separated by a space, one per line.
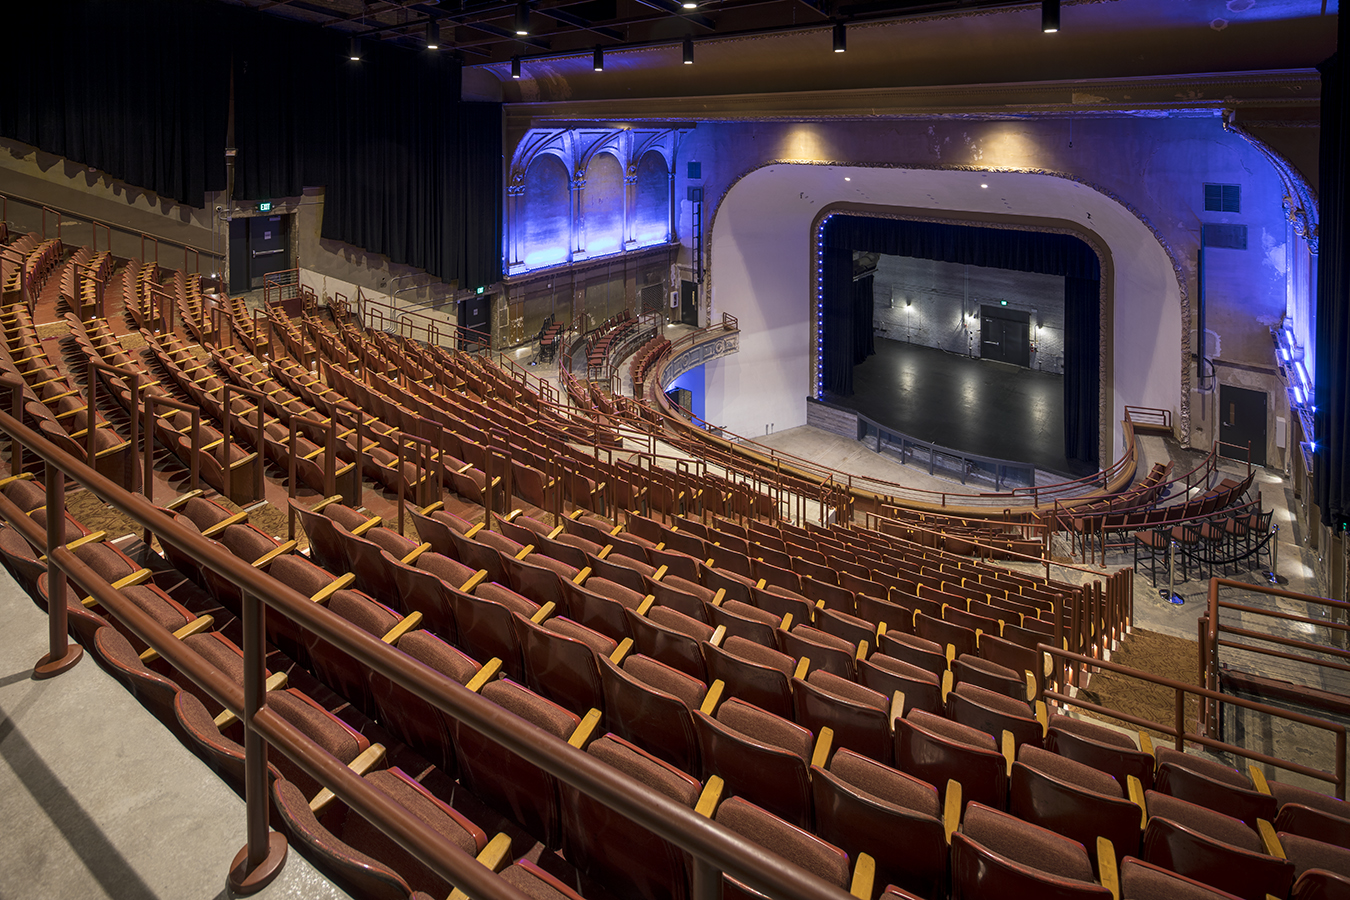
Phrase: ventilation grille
pixel 1226 237
pixel 1223 198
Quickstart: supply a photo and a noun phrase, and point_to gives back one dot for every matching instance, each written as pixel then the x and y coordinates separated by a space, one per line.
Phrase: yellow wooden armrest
pixel 575 514
pixel 864 877
pixel 950 654
pixel 111 450
pixel 90 538
pixel 428 510
pixel 1258 779
pixel 1106 867
pixel 138 577
pixel 414 553
pixel 1270 839
pixel 605 551
pixel 494 856
pixel 311 454
pixel 710 797
pixel 61 396
pixel 557 530
pixel 1043 716
pixel 759 585
pixel 214 444
pixel 464 468
pixel 712 698
pixel 660 573
pixel 474 581
pixel 1031 686
pixel 803 666
pixel 328 590
pixel 951 808
pixel 861 653
pixel 582 736
pixel 512 515
pixel 361 765
pixel 1136 790
pixel 1145 743
pixel 544 612
pixel 409 622
pixel 1048 661
pixel 820 756
pixel 22 476
pixel 718 636
pixel 196 626
pixel 474 530
pixel 276 682
pixel 645 605
pixel 525 551
pixel 490 670
pixel 366 525
pixel 786 624
pixel 1009 750
pixel 897 707
pixel 326 501
pixel 184 498
pixel 580 577
pixel 621 651
pixel 218 527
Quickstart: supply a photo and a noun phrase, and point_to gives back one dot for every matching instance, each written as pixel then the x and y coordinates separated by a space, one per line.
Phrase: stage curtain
pixel 1082 357
pixel 142 96
pixel 1331 380
pixel 837 347
pixel 863 345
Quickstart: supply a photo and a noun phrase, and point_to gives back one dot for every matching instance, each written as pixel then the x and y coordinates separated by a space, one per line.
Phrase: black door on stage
pixel 689 303
pixel 1242 421
pixel 475 315
pixel 1005 335
pixel 259 245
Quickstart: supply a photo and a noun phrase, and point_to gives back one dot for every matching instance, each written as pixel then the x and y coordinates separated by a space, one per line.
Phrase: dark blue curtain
pixel 1331 380
pixel 1024 251
pixel 863 334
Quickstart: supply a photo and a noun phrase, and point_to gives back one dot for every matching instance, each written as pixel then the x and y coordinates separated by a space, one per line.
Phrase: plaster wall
pixel 1145 174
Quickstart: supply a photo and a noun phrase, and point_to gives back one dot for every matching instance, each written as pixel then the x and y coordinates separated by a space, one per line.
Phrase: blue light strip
pixel 820 309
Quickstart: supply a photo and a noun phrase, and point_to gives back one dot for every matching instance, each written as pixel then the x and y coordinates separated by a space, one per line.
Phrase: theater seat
pixel 938 750
pixel 1142 881
pixel 997 856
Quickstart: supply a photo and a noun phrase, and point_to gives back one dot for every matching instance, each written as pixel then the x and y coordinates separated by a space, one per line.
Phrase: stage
pixel 978 406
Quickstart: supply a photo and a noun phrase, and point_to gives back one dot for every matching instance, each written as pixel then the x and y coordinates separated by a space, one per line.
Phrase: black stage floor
pixel 979 406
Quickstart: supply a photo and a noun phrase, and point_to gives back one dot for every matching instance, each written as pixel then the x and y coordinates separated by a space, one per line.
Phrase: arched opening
pixel 545 211
pixel 602 206
pixel 652 218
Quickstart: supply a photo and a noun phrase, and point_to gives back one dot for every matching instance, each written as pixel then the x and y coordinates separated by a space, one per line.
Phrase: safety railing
pixel 385 316
pixel 947 461
pixel 1078 665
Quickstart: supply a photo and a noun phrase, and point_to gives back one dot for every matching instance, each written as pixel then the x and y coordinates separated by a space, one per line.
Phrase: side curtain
pixel 863 344
pixel 1082 354
pixel 1331 378
pixel 837 340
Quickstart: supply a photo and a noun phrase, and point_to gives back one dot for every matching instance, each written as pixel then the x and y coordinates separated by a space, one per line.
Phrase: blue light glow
pixel 547 256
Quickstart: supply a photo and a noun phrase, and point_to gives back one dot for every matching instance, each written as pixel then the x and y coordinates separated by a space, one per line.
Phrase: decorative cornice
pixel 1300 200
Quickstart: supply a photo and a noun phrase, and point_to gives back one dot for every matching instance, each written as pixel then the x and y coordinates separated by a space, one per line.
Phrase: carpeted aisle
pixel 1157 654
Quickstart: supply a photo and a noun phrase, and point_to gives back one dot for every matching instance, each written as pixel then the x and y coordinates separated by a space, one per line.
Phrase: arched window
pixel 545 213
pixel 652 225
pixel 602 206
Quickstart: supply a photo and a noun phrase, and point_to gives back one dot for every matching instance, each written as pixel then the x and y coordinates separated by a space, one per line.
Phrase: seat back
pixel 761 757
pixel 560 668
pixel 486 627
pixel 758 675
pixel 860 717
pixel 1069 809
pixel 936 756
pixel 994 860
pixel 1186 851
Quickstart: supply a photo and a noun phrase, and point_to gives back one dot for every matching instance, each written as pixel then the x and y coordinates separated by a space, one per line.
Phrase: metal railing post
pixel 61 654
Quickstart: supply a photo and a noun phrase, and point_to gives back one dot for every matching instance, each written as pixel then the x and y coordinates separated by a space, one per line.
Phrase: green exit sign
pixel 265 206
pixel 480 290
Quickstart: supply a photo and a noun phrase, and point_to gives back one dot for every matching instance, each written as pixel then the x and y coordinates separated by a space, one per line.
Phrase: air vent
pixel 1223 198
pixel 695 171
pixel 1225 237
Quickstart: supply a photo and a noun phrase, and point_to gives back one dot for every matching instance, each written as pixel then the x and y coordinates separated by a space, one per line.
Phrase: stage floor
pixel 979 406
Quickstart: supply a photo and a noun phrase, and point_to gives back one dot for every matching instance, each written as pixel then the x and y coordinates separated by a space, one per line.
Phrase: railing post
pixel 264 853
pixel 61 654
pixel 1181 719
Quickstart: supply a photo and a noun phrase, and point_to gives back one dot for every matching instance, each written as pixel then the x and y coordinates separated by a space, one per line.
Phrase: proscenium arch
pixel 762 259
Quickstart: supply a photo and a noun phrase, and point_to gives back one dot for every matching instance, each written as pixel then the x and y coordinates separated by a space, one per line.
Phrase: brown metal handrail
pixel 1077 663
pixel 714 848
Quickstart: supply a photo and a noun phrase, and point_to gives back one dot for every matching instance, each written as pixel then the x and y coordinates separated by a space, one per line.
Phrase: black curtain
pixel 1331 380
pixel 1024 251
pixel 139 90
pixel 863 343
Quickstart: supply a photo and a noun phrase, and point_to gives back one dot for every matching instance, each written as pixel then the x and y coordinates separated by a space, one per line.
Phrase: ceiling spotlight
pixel 689 4
pixel 688 50
pixel 840 38
pixel 522 18
pixel 354 49
pixel 598 59
pixel 1050 16
pixel 433 40
pixel 984 185
pixel 515 67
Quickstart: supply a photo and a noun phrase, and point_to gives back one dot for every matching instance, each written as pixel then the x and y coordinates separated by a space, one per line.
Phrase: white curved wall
pixel 761 273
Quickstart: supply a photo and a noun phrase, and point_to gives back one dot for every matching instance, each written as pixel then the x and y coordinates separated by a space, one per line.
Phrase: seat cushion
pixel 451 571
pixel 662 677
pixel 885 783
pixel 530 706
pixel 848 690
pixel 593 639
pixel 1092 731
pixel 655 774
pixel 1205 821
pixel 766 728
pixel 1068 770
pixel 1027 844
pixel 1306 853
pixel 758 653
pixel 788 841
pixel 952 731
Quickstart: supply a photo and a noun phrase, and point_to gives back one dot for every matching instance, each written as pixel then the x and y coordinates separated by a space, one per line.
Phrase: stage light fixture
pixel 689 4
pixel 522 18
pixel 688 50
pixel 354 49
pixel 840 38
pixel 433 41
pixel 1050 16
pixel 515 67
pixel 598 59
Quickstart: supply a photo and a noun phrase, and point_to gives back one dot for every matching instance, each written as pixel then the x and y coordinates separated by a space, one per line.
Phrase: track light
pixel 433 40
pixel 689 4
pixel 522 18
pixel 840 38
pixel 354 49
pixel 1050 16
pixel 515 67
pixel 598 59
pixel 688 50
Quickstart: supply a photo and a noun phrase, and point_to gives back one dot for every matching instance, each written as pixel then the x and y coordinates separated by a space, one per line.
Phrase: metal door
pixel 1005 335
pixel 1242 422
pixel 689 303
pixel 268 247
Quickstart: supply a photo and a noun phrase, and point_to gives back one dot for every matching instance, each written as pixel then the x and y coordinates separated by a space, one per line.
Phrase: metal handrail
pixel 715 849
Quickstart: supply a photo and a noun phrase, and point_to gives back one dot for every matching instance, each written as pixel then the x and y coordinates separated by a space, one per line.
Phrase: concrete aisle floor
pixel 98 799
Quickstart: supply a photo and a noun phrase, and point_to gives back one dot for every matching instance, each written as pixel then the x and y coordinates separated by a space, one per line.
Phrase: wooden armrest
pixel 660 573
pixel 22 476
pixel 786 624
pixel 1145 743
pixel 474 581
pixel 336 498
pixel 414 554
pixel 278 550
pixel 311 454
pixel 109 451
pixel 196 626
pixel 1106 867
pixel 712 698
pixel 710 797
pixel 951 808
pixel 582 736
pixel 820 756
pixel 366 525
pixel 950 653
pixel 525 551
pixel 512 515
pixel 1136 791
pixel 1043 716
pixel 214 444
pixel 1270 839
pixel 759 585
pixel 361 765
pixel 864 877
pixel 803 666
pixel 140 576
pixel 580 577
pixel 605 551
pixel 328 590
pixel 718 636
pixel 1009 747
pixel 621 651
pixel 544 612
pixel 1031 685
pixel 275 682
pixel 181 500
pixel 474 530
pixel 218 527
pixel 408 623
pixel 1258 779
pixel 428 510
pixel 897 707
pixel 490 670
pixel 92 537
pixel 861 653
pixel 495 855
pixel 645 605
pixel 61 396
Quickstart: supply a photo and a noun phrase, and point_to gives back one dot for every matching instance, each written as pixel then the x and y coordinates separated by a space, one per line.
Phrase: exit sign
pixel 265 206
